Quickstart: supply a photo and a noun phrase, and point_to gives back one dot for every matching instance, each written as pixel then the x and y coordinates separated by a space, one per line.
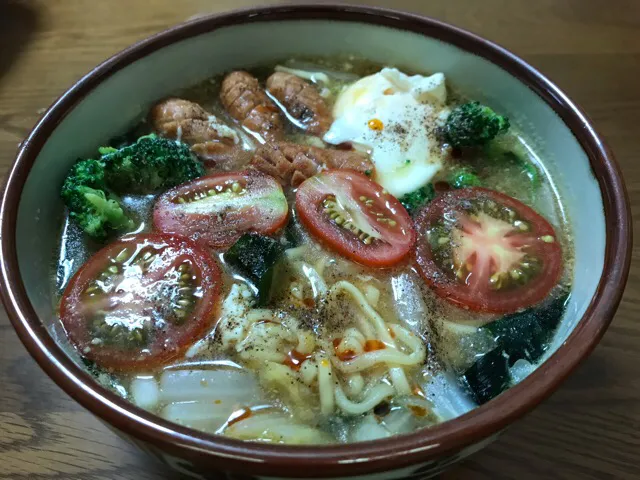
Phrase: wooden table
pixel 589 429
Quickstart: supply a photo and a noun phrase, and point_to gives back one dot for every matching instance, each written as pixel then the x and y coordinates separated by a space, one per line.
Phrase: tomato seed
pixel 520 225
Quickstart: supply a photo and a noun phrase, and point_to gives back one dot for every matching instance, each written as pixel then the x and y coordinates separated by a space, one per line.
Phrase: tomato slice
pixel 141 301
pixel 485 251
pixel 216 210
pixel 355 217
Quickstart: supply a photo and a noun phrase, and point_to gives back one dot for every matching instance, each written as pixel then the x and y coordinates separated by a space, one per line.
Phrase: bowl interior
pixel 123 97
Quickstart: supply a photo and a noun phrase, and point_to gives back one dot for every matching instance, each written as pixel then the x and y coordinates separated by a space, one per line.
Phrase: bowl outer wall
pixel 444 439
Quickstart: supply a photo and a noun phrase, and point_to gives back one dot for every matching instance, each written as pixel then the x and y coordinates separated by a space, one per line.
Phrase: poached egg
pixel 394 117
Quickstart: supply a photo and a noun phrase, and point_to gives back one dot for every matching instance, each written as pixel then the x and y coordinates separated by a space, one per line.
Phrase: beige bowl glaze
pixel 114 95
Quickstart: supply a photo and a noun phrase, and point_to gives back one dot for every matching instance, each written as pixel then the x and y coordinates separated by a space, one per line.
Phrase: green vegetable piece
pixel 473 124
pixel 83 193
pixel 511 160
pixel 527 334
pixel 106 150
pixel 103 211
pixel 255 255
pixel 89 173
pixel 524 335
pixel 293 233
pixel 149 164
pixel 464 178
pixel 417 199
pixel 488 377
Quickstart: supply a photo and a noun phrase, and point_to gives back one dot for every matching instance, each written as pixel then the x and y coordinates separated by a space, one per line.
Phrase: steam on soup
pixel 313 252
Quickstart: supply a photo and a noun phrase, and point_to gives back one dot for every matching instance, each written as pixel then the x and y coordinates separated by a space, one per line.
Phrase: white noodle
pixel 309 372
pixel 325 386
pixel 373 398
pixel 367 309
pixel 306 342
pixel 390 355
pixel 354 384
pixel 409 338
pixel 400 381
pixel 370 359
pixel 263 338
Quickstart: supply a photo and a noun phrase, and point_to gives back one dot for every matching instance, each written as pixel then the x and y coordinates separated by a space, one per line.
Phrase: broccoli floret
pixel 89 173
pixel 473 124
pixel 463 177
pixel 83 193
pixel 149 164
pixel 99 213
pixel 415 200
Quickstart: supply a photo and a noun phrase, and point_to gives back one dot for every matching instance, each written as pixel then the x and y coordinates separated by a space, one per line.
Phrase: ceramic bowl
pixel 115 94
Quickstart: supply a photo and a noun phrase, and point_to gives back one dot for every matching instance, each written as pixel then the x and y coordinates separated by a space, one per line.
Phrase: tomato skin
pixel 218 220
pixel 170 340
pixel 396 241
pixel 530 242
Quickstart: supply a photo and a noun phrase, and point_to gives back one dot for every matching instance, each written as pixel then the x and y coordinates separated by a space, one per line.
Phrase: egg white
pixel 408 109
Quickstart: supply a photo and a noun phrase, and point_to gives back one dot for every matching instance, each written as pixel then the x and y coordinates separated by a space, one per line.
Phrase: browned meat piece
pixel 181 119
pixel 188 121
pixel 302 101
pixel 291 163
pixel 218 157
pixel 247 102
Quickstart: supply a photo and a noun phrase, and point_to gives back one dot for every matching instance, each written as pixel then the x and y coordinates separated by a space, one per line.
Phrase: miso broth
pixel 330 258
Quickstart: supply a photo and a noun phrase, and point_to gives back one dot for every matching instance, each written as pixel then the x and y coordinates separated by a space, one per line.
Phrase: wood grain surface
pixel 589 429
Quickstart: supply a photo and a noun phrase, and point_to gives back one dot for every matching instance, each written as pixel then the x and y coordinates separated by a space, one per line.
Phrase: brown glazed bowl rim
pixel 344 460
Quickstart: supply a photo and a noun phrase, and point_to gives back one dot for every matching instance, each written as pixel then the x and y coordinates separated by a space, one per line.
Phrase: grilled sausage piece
pixel 302 101
pixel 246 101
pixel 187 121
pixel 218 157
pixel 215 143
pixel 292 164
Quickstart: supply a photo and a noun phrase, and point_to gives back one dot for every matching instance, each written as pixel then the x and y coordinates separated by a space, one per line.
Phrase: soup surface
pixel 316 251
